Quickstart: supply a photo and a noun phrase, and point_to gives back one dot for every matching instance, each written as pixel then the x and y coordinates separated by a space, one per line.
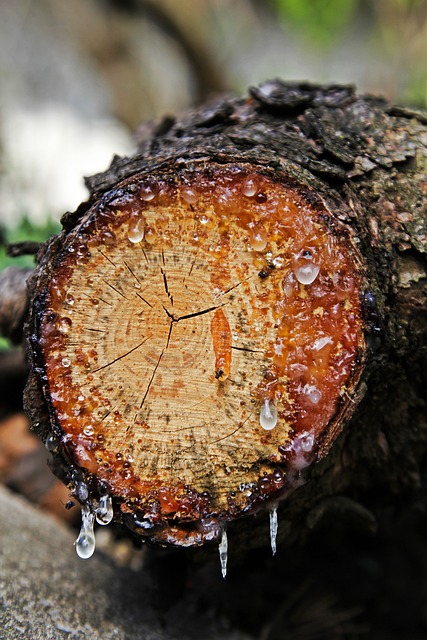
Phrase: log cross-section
pixel 201 329
pixel 199 344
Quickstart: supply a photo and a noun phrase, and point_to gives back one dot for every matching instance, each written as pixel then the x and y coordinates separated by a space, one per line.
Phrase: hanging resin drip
pixel 274 525
pixel 104 512
pixel 223 553
pixel 268 415
pixel 85 543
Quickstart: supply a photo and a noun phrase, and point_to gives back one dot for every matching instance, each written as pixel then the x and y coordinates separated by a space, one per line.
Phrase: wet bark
pixel 365 159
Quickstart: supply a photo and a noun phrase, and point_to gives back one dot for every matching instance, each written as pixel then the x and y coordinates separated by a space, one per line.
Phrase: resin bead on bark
pixel 197 340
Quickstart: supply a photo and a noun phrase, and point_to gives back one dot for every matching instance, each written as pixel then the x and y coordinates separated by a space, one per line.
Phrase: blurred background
pixel 77 76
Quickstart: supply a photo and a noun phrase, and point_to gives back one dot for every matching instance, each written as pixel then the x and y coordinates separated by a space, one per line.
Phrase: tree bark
pixel 247 287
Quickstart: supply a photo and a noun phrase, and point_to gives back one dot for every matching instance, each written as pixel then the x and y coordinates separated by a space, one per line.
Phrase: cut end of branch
pixel 198 337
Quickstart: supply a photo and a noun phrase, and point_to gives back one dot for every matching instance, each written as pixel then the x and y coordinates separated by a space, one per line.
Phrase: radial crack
pixel 168 314
pixel 231 289
pixel 144 300
pixel 199 313
pixel 145 255
pixel 105 302
pixel 131 272
pixel 107 258
pixel 152 378
pixel 239 426
pixel 169 334
pixel 122 356
pixel 192 266
pixel 115 289
pixel 247 349
pixel 165 282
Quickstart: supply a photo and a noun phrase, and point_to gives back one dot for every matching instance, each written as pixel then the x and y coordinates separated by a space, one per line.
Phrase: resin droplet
pixel 274 525
pixel 268 415
pixel 85 543
pixel 64 325
pixel 136 230
pixel 306 273
pixel 150 235
pixel 223 553
pixel 258 238
pixel 249 187
pixel 148 192
pixel 104 513
pixel 312 393
pixel 51 443
pixel 189 195
pixel 82 491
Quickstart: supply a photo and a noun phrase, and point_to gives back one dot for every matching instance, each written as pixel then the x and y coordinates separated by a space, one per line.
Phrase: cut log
pixel 203 328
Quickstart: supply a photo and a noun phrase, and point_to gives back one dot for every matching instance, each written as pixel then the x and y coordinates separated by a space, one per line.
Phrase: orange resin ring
pixel 200 337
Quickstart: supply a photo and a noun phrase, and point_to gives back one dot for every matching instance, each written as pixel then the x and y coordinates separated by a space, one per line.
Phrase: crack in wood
pixel 106 302
pixel 172 321
pixel 166 284
pixel 192 266
pixel 235 430
pixel 143 299
pixel 122 356
pixel 247 349
pixel 145 255
pixel 107 258
pixel 199 313
pixel 107 414
pixel 231 289
pixel 168 313
pixel 115 289
pixel 192 315
pixel 152 378
pixel 169 334
pixel 131 272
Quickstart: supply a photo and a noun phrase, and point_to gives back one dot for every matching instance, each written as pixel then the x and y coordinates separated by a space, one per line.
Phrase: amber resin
pixel 200 337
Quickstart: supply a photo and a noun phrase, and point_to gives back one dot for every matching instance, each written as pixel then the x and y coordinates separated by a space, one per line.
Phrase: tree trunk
pixel 247 287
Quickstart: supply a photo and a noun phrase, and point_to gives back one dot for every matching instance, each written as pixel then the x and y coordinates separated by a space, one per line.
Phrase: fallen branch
pixel 205 326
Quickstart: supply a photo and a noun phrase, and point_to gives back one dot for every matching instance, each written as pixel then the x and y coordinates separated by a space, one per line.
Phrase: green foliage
pixel 416 90
pixel 25 230
pixel 322 21
pixel 4 344
pixel 408 4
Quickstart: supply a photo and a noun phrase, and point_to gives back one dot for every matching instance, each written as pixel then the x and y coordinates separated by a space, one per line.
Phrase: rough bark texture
pixel 366 161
